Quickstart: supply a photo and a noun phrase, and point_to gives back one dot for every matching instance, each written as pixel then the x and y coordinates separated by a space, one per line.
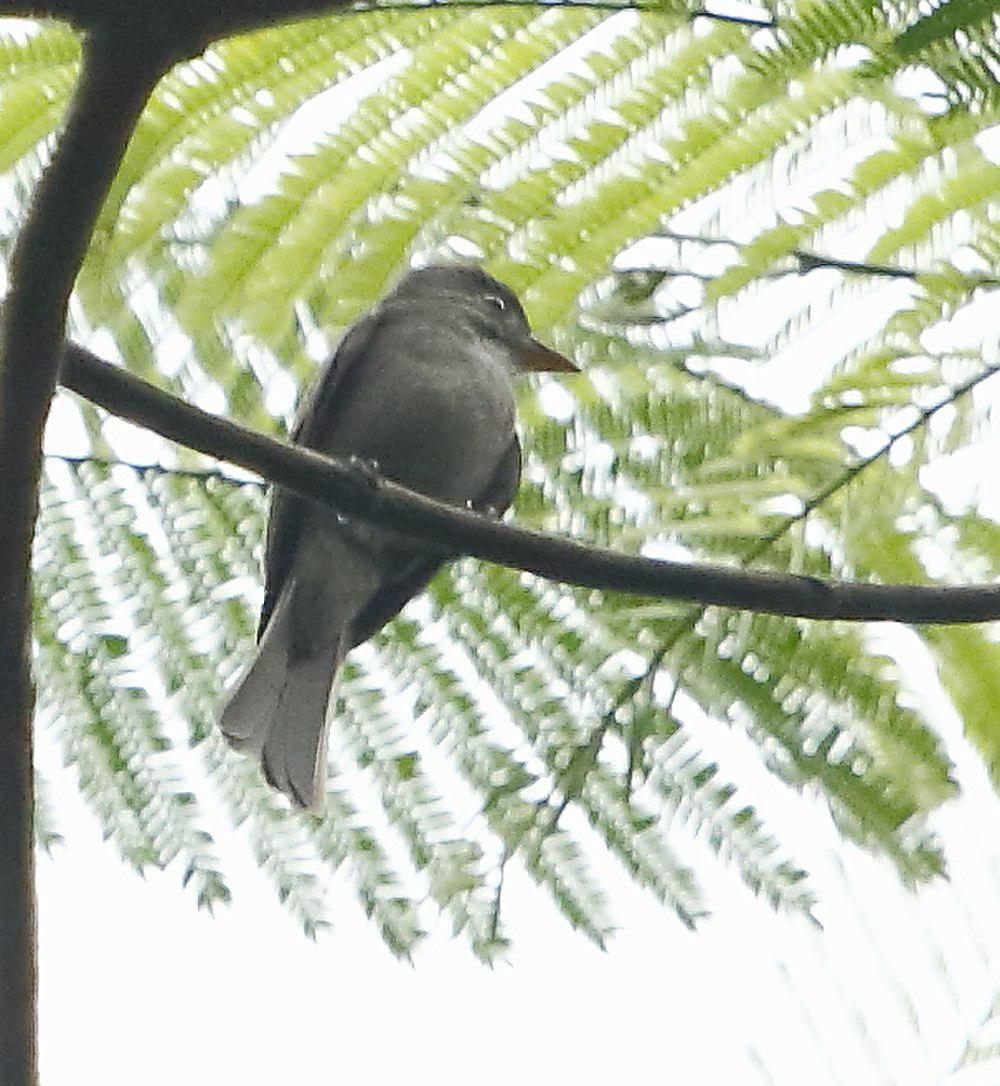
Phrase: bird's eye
pixel 495 299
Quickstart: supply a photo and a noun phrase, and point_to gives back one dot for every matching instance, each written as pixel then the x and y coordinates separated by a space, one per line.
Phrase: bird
pixel 419 390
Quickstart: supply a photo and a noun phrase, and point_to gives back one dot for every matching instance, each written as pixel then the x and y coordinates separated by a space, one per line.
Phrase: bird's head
pixel 492 307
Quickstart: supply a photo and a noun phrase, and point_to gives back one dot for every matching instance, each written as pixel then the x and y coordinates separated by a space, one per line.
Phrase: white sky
pixel 136 985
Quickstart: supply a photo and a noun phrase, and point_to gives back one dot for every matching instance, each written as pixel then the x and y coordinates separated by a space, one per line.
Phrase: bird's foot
pixel 490 512
pixel 367 469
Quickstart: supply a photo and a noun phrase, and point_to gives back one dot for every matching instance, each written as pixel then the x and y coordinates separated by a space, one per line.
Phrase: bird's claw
pixel 367 469
pixel 490 512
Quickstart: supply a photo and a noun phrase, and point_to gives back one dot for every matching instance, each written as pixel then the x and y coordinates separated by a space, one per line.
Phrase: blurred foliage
pixel 674 196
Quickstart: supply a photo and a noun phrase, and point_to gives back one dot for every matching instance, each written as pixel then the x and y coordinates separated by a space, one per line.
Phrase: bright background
pixel 136 985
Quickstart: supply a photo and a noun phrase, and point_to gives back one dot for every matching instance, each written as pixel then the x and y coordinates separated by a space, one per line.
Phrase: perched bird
pixel 421 389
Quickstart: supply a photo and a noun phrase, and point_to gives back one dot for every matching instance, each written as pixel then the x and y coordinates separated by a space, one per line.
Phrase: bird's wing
pixel 395 592
pixel 287 509
pixel 287 514
pixel 502 487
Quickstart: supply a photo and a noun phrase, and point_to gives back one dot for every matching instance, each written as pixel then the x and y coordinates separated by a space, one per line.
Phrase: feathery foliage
pixel 771 250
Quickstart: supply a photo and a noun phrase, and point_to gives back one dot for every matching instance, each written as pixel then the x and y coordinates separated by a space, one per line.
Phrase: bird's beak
pixel 535 356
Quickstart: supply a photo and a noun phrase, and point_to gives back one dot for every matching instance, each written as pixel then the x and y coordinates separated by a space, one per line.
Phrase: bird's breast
pixel 457 425
pixel 434 411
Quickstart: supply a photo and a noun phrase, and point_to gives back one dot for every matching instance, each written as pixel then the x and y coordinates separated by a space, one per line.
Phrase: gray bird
pixel 421 388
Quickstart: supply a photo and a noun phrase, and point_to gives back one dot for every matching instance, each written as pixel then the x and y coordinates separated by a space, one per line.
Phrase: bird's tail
pixel 279 709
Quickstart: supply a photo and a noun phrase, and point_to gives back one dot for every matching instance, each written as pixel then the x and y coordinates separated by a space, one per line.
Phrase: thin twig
pixel 813 261
pixel 590 5
pixel 199 475
pixel 495 917
pixel 805 262
pixel 685 622
pixel 635 740
pixel 849 474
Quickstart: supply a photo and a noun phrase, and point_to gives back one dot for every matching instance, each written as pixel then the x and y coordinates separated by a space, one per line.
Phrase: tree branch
pixel 181 28
pixel 686 621
pixel 589 5
pixel 808 262
pixel 189 25
pixel 354 493
pixel 805 262
pixel 111 93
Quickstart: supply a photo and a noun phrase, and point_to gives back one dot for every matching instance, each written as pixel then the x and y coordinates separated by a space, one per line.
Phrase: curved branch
pixel 188 28
pixel 356 493
pixel 112 91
